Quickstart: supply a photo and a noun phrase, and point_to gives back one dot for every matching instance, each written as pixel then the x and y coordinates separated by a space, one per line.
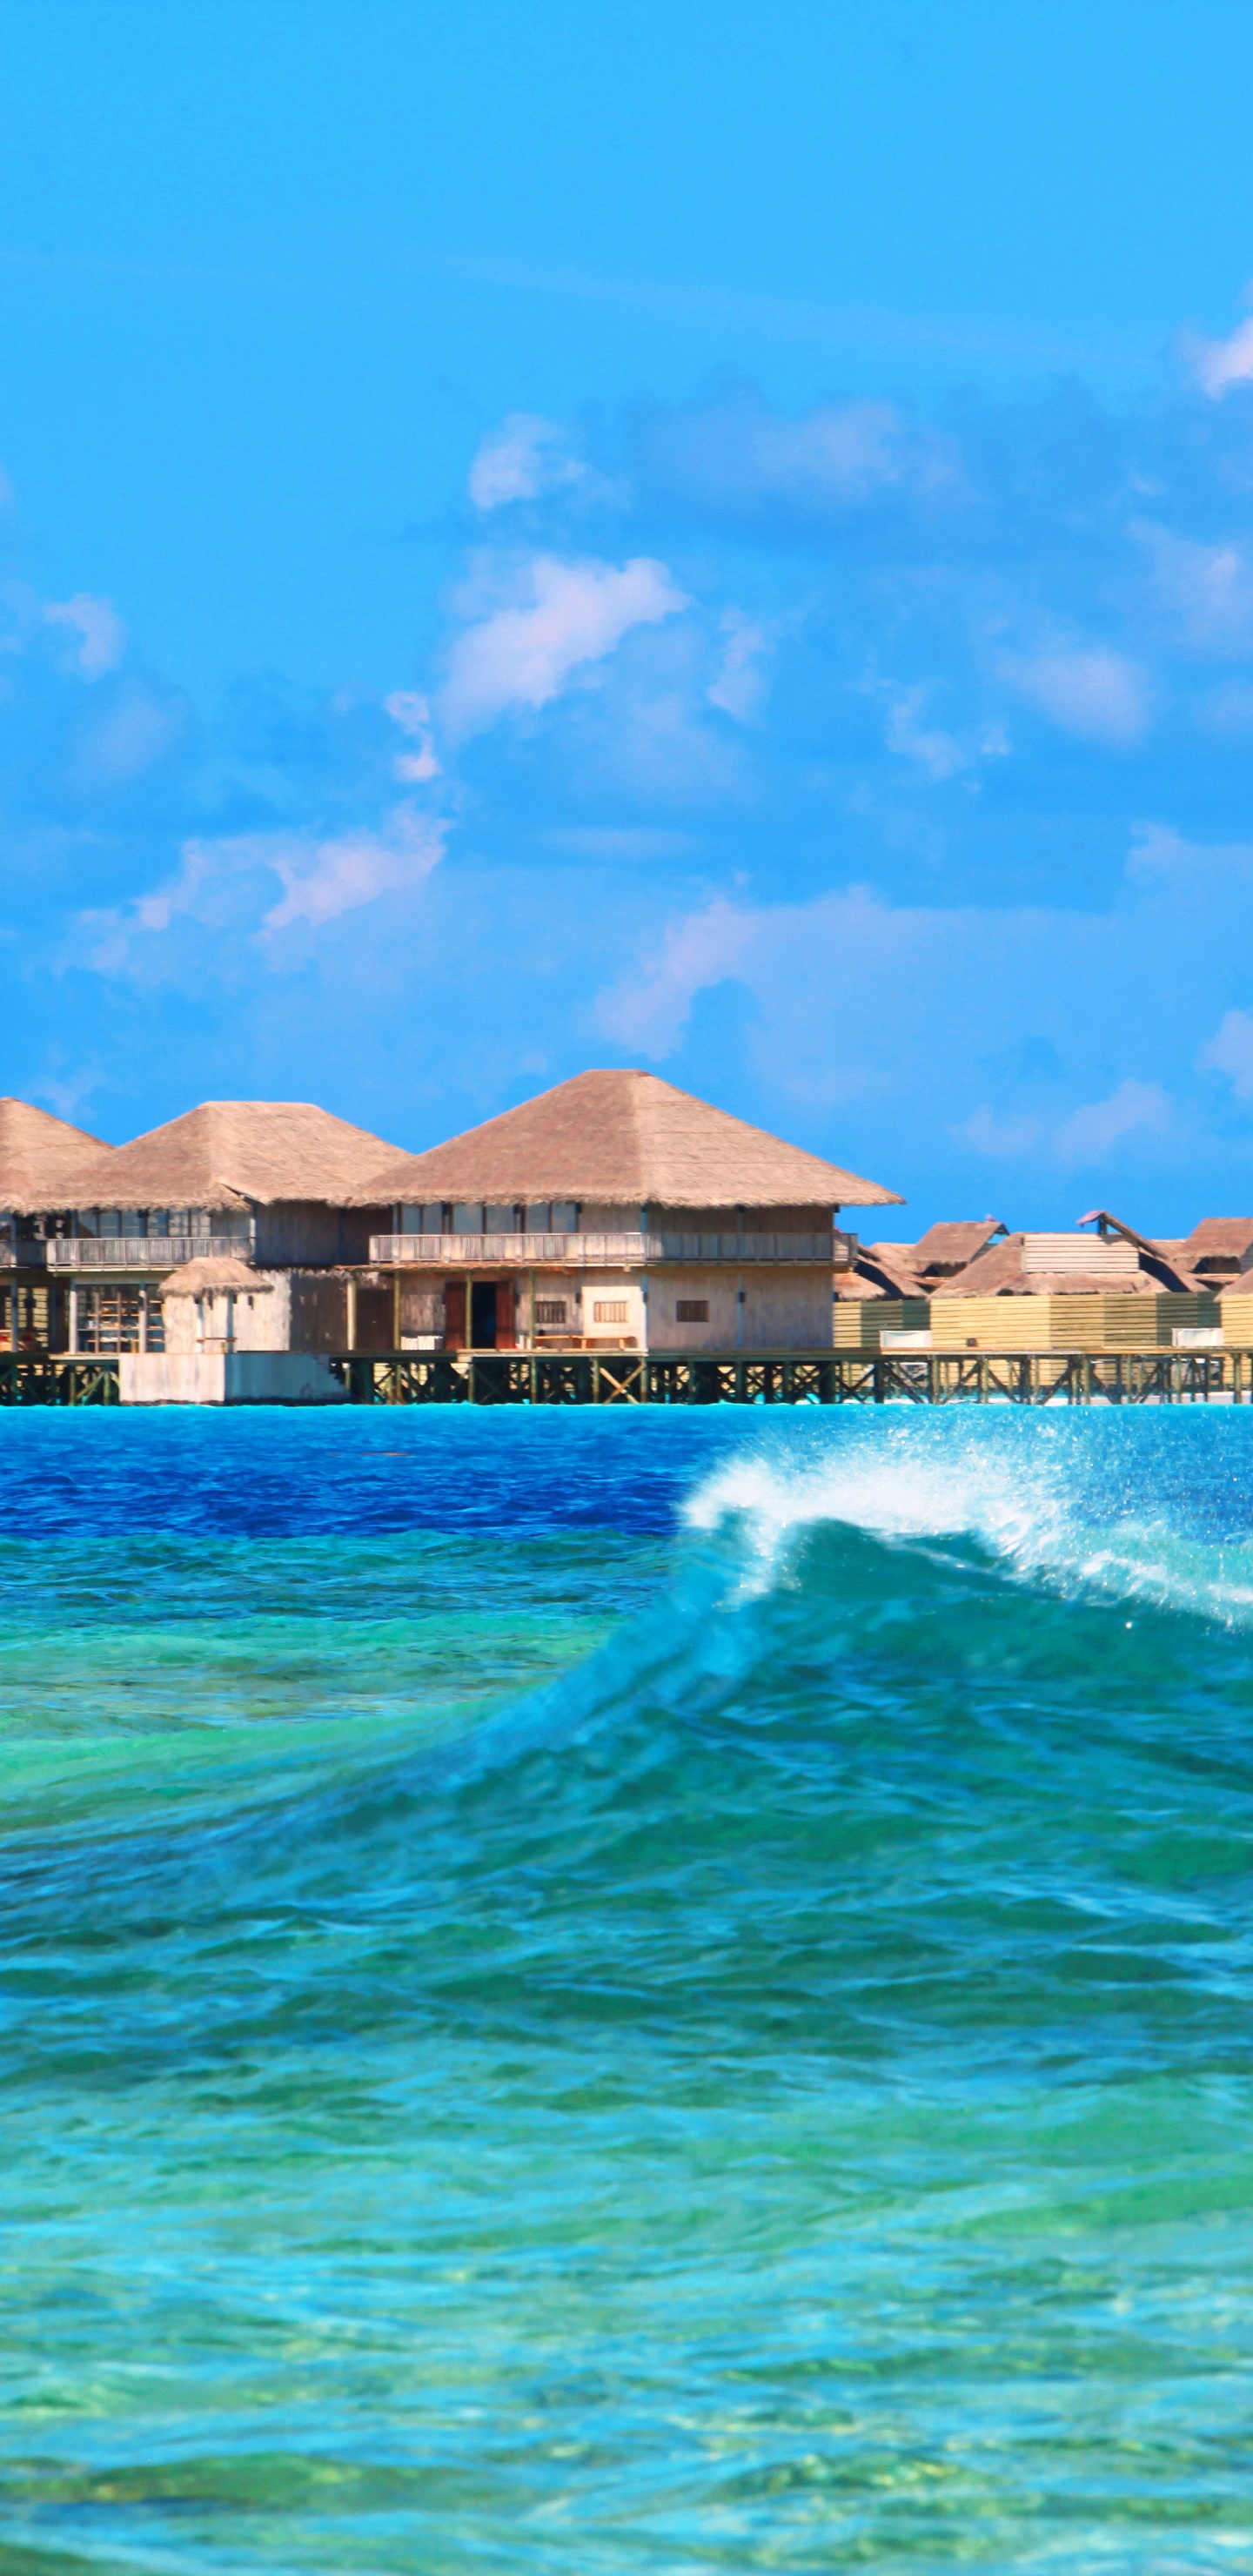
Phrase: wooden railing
pixel 141 1251
pixel 595 1251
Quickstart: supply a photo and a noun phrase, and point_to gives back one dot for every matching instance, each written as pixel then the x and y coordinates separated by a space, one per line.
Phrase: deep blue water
pixel 626 1992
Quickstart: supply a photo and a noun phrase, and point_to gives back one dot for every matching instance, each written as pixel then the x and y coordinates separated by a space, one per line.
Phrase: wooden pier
pixel 1147 1376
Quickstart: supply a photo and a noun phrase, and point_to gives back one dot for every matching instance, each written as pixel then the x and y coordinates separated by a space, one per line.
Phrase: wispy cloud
pixel 1220 364
pixel 563 618
pixel 1230 1051
pixel 739 683
pixel 1098 694
pixel 1088 1134
pixel 229 886
pixel 101 636
pixel 525 456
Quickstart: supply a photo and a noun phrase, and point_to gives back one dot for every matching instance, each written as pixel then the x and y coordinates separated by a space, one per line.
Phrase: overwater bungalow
pixel 616 1213
pixel 38 1154
pixel 271 1183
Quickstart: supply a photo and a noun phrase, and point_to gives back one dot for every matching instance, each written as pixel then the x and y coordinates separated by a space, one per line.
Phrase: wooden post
pixel 350 1305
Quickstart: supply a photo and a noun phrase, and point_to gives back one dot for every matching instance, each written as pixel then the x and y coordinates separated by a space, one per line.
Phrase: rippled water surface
pixel 602 1993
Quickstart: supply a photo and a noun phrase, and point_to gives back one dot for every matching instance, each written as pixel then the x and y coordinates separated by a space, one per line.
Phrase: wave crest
pixel 1060 1504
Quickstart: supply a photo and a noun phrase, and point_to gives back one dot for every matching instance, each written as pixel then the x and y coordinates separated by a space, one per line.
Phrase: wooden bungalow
pixel 37 1154
pixel 272 1183
pixel 615 1212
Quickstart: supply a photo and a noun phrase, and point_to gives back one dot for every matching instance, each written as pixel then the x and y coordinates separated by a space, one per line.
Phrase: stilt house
pixel 273 1183
pixel 37 1155
pixel 615 1212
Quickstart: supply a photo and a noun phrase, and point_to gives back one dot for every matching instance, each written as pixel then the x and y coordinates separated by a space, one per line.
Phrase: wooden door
pixel 375 1319
pixel 506 1295
pixel 455 1315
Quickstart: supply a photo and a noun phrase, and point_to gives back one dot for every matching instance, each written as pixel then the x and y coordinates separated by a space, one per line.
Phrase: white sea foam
pixel 1047 1515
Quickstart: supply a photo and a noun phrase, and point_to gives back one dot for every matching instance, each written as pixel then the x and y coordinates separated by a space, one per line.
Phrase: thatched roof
pixel 233 1154
pixel 1218 1238
pixel 201 1278
pixel 948 1247
pixel 610 1139
pixel 880 1270
pixel 36 1151
pixel 1000 1271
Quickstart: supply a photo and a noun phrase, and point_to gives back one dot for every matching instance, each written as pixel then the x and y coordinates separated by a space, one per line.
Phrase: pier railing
pixel 57 1377
pixel 1150 1376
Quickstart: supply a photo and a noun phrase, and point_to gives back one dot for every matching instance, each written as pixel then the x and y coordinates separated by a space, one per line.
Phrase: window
pixel 565 1216
pixel 467 1218
pixel 609 1310
pixel 500 1220
pixel 550 1310
pixel 537 1219
pixel 692 1310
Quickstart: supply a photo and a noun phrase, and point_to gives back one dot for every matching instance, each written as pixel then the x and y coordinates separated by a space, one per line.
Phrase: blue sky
pixel 715 537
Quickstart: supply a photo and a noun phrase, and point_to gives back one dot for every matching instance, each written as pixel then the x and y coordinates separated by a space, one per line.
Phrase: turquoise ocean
pixel 626 1994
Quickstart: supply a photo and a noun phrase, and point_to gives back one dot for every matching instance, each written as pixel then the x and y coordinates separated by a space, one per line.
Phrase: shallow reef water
pixel 607 1992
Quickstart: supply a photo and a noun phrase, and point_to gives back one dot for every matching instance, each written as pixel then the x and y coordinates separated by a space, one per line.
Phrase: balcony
pixel 140 1251
pixel 517 1251
pixel 602 1251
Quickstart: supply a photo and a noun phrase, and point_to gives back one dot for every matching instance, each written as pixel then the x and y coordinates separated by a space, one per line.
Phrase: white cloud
pixel 135 733
pixel 568 615
pixel 739 685
pixel 323 879
pixel 842 450
pixel 1230 1051
pixel 1209 588
pixel 1088 1134
pixel 697 951
pixel 907 1009
pixel 409 709
pixel 100 632
pixel 986 1133
pixel 228 885
pixel 1095 693
pixel 1220 364
pixel 518 461
pixel 928 746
